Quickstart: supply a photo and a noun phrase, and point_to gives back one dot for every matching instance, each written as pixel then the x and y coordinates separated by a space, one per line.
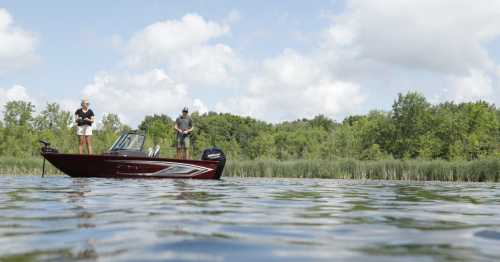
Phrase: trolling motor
pixel 46 149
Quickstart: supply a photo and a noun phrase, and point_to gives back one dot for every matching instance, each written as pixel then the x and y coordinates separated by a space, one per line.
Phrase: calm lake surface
pixel 61 218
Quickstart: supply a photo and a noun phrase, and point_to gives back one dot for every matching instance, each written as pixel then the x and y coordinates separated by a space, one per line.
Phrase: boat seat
pixel 150 152
pixel 156 152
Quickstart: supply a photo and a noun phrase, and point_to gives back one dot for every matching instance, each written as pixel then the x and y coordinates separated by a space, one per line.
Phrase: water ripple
pixel 60 218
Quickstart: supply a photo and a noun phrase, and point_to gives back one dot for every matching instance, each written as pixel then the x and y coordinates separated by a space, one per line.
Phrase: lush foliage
pixel 413 129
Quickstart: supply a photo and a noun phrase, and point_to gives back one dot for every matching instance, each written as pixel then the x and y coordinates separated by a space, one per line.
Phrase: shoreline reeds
pixel 487 170
pixel 25 166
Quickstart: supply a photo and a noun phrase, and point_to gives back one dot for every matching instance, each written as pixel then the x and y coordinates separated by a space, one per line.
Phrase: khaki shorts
pixel 84 130
pixel 183 142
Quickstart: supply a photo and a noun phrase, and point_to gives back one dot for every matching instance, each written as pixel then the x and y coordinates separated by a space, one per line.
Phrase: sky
pixel 272 60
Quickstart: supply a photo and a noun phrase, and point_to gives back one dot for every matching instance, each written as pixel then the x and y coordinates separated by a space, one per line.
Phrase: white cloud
pixel 15 93
pixel 162 39
pixel 215 65
pixel 294 86
pixel 17 47
pixel 184 47
pixel 132 96
pixel 292 68
pixel 166 61
pixel 290 85
pixel 199 106
pixel 397 45
pixel 475 86
pixel 443 36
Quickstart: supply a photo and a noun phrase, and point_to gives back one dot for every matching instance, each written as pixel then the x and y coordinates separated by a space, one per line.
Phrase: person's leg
pixel 187 145
pixel 178 153
pixel 88 141
pixel 80 144
pixel 178 148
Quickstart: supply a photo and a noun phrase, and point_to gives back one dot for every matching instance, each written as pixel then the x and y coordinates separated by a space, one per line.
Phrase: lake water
pixel 60 218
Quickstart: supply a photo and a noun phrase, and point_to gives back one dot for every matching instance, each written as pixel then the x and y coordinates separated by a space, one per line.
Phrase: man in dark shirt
pixel 184 127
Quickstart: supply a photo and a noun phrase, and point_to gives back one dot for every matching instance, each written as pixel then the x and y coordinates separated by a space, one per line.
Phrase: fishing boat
pixel 127 159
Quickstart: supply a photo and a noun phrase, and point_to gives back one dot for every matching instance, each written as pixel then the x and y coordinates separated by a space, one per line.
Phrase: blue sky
pixel 274 60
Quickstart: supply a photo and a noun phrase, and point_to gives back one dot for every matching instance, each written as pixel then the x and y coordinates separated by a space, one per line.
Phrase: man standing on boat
pixel 84 117
pixel 184 127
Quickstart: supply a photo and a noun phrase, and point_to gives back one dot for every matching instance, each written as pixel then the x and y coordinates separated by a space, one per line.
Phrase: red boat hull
pixel 133 167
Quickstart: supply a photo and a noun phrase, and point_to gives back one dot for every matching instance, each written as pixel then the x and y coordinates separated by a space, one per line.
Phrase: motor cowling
pixel 215 154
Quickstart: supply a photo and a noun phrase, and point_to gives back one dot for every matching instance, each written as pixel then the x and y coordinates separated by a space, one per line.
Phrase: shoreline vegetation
pixel 485 170
pixel 415 140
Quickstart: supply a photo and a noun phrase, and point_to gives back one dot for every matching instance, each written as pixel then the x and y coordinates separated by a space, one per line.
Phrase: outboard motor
pixel 215 154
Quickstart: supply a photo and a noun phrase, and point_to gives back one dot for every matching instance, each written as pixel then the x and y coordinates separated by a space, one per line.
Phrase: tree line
pixel 412 129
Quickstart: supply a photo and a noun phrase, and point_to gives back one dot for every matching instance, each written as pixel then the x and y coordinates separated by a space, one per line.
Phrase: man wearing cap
pixel 84 117
pixel 184 127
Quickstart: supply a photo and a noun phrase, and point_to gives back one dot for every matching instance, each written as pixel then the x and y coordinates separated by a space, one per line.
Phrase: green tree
pixel 108 130
pixel 53 118
pixel 262 147
pixel 160 131
pixel 18 137
pixel 411 115
pixel 18 113
pixel 483 129
pixel 54 124
pixel 346 143
pixel 374 133
pixel 112 123
pixel 324 122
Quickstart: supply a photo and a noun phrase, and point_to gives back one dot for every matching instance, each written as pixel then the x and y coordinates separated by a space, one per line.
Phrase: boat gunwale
pixel 122 157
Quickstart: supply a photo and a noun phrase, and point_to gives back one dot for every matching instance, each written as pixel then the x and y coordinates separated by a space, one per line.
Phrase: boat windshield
pixel 129 141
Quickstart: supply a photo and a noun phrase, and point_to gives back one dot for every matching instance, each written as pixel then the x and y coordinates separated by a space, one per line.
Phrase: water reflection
pixel 60 218
pixel 419 194
pixel 442 252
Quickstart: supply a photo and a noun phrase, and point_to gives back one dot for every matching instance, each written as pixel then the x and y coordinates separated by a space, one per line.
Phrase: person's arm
pixel 77 117
pixel 176 127
pixel 92 118
pixel 190 129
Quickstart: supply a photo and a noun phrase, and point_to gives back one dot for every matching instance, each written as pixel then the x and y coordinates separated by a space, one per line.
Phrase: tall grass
pixel 439 170
pixel 25 166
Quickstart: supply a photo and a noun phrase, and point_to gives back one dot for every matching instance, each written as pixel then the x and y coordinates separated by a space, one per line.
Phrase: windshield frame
pixel 133 145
